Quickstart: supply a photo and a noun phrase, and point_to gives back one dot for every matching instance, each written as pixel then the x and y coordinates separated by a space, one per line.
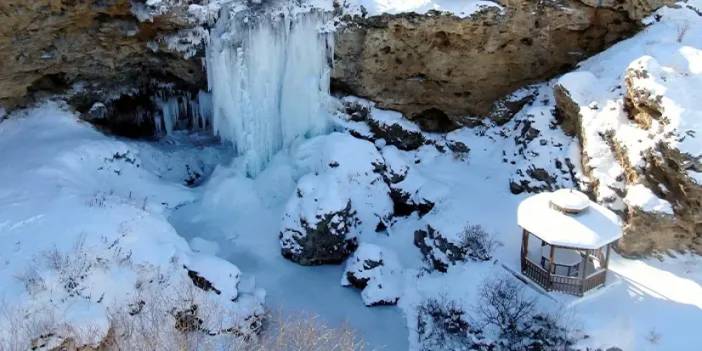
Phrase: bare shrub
pixel 71 266
pixel 520 326
pixel 33 282
pixel 441 323
pixel 21 331
pixel 653 337
pixel 185 319
pixel 504 305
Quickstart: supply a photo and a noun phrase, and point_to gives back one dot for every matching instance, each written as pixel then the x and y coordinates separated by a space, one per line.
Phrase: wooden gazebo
pixel 566 241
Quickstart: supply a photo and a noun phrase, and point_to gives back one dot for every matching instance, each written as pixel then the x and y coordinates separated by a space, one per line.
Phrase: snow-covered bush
pixel 377 271
pixel 476 243
pixel 444 325
pixel 472 243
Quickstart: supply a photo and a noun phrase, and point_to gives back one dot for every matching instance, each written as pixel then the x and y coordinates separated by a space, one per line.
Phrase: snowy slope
pixel 662 62
pixel 84 225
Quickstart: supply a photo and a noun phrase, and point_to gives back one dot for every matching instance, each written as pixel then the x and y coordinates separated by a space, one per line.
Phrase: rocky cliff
pixel 444 70
pixel 439 69
pixel 100 50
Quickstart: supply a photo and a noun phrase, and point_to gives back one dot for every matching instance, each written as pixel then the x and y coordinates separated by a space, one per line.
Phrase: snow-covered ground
pixel 66 182
pixel 85 234
pixel 88 220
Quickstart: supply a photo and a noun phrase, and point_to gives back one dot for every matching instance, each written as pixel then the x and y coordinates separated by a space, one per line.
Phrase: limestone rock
pixel 48 45
pixel 635 9
pixel 423 65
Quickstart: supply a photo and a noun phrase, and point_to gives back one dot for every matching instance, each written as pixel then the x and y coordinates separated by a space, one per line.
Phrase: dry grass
pixel 305 332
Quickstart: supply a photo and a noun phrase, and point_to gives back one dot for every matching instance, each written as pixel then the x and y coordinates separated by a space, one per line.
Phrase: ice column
pixel 269 79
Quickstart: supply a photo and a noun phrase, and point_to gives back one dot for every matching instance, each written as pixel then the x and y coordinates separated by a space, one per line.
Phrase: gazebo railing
pixel 594 280
pixel 554 282
pixel 534 272
pixel 568 285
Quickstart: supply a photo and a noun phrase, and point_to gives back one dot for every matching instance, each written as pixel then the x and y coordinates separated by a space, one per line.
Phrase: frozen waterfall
pixel 269 79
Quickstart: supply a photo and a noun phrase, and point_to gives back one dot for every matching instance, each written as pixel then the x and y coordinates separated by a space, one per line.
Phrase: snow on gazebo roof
pixel 589 226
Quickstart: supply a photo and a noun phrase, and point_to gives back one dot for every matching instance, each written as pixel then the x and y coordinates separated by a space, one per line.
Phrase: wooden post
pixel 525 248
pixel 552 265
pixel 606 262
pixel 606 265
pixel 583 264
pixel 587 258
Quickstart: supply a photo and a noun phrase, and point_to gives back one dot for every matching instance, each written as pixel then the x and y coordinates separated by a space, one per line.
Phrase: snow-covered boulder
pixel 442 249
pixel 377 271
pixel 343 195
pixel 405 184
pixel 319 225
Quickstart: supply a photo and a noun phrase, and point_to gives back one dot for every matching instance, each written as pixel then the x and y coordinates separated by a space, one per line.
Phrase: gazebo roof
pixel 593 227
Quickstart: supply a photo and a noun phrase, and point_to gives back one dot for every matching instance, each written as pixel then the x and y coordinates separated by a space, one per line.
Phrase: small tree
pixel 520 326
pixel 504 305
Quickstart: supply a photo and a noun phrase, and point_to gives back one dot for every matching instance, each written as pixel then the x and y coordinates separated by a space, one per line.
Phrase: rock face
pixel 667 168
pixel 636 9
pixel 437 69
pixel 47 46
pixel 442 67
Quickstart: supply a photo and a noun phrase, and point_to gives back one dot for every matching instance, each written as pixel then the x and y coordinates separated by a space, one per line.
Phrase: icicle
pixel 269 79
pixel 182 112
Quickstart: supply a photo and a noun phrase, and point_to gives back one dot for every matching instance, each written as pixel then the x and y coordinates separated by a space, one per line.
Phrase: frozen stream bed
pixel 290 288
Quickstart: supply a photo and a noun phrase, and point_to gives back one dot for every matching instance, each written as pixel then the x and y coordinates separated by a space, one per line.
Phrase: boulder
pixel 319 223
pixel 342 196
pixel 442 250
pixel 377 272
